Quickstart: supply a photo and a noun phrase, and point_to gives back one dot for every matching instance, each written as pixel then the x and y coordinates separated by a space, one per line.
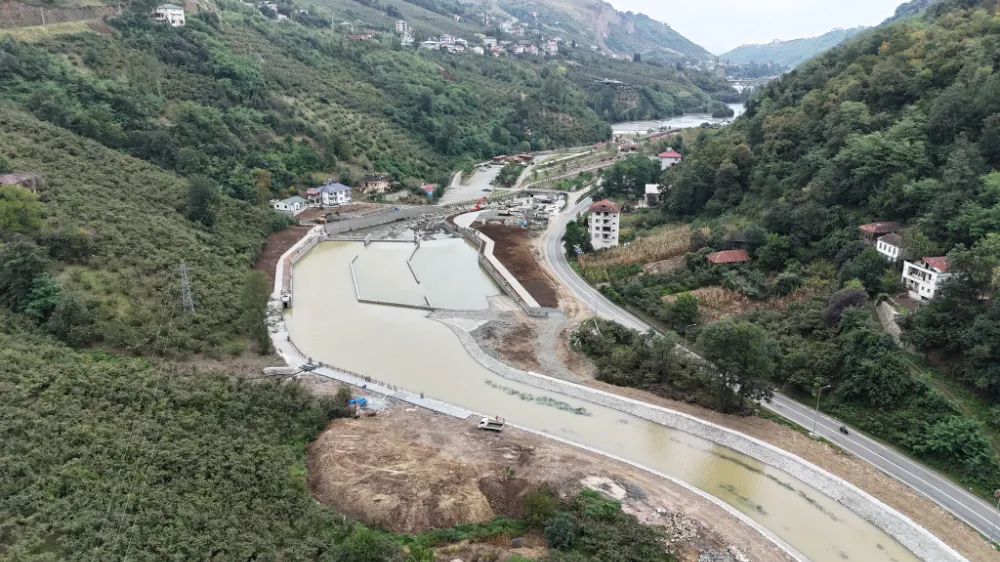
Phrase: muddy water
pixel 680 122
pixel 403 347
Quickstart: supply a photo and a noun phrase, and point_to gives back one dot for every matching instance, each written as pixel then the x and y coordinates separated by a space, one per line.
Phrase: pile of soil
pixel 277 244
pixel 513 249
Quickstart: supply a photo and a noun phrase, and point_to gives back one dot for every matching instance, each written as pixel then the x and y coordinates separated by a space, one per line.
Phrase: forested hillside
pixel 791 53
pixel 901 123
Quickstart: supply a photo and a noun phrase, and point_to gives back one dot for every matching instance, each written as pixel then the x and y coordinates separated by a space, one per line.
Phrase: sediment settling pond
pixel 404 347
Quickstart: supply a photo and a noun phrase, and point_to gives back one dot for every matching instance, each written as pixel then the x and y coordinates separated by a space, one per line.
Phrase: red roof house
pixel 605 206
pixel 729 256
pixel 940 264
pixel 873 230
pixel 670 154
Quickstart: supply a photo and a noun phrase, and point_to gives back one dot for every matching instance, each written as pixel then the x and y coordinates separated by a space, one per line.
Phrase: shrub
pixel 786 284
pixel 841 301
pixel 560 531
pixel 539 506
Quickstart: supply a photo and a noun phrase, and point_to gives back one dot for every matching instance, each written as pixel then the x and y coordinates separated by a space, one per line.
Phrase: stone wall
pixel 915 538
pixel 887 316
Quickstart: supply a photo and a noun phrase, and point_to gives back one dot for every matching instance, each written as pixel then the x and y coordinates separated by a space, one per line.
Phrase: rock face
pixel 18 14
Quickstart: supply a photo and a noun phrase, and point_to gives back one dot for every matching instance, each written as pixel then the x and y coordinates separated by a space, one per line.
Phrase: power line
pixel 187 301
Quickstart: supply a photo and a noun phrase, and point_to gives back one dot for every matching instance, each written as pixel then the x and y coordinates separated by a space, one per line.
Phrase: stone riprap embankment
pixel 915 538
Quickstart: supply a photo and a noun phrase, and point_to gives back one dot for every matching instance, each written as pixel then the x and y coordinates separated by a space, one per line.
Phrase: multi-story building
pixel 402 27
pixel 169 13
pixel 330 194
pixel 375 183
pixel 603 224
pixel 923 278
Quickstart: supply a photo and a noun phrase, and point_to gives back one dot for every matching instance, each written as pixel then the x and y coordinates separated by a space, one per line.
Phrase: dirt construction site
pixel 410 470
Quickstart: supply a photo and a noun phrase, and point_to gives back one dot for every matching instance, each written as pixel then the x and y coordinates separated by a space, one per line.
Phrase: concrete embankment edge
pixel 911 535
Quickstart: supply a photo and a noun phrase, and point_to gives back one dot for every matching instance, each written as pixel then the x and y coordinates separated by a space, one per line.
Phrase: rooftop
pixel 892 239
pixel 729 256
pixel 670 154
pixel 940 264
pixel 605 206
pixel 880 227
pixel 652 188
pixel 169 7
pixel 293 200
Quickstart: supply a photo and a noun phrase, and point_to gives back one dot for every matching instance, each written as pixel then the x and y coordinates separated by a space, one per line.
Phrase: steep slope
pixel 598 23
pixel 791 53
pixel 901 123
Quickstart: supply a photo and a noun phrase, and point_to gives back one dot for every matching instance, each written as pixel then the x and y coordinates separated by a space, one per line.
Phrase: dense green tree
pixel 43 298
pixel 256 294
pixel 682 313
pixel 627 179
pixel 743 357
pixel 5 167
pixel 71 320
pixel 873 371
pixel 19 211
pixel 203 200
pixel 21 262
pixel 366 545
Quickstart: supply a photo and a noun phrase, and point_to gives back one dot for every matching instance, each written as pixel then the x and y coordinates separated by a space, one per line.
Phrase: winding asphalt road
pixel 967 507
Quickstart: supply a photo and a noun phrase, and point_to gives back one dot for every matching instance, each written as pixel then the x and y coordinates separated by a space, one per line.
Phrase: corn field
pixel 668 244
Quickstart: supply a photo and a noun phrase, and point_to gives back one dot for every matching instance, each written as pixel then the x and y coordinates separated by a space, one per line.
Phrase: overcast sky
pixel 720 25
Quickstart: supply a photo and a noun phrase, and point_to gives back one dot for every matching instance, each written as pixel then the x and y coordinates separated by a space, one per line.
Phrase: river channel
pixel 405 348
pixel 679 122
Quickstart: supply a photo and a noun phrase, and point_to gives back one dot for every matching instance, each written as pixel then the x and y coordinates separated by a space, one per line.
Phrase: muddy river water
pixel 404 347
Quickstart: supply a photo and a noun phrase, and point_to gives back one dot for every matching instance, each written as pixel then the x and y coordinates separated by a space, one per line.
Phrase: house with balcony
pixel 603 224
pixel 375 183
pixel 169 13
pixel 924 278
pixel 330 194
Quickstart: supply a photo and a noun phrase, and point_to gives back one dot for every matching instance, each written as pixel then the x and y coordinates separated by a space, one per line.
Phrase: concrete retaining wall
pixel 500 274
pixel 887 317
pixel 915 538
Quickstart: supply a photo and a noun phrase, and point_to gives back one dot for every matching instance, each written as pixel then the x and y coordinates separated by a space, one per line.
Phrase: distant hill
pixel 600 24
pixel 789 53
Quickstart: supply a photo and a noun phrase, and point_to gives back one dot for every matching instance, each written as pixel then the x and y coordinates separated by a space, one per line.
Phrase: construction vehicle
pixel 480 203
pixel 492 424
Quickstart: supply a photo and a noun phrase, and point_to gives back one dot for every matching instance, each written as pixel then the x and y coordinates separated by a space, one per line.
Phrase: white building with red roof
pixel 923 278
pixel 603 224
pixel 669 158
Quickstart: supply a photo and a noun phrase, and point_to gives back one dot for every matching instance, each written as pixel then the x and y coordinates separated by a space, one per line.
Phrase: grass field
pixel 37 33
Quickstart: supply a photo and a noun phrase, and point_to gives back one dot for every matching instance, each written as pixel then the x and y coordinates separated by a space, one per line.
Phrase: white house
pixel 669 158
pixel 479 50
pixel 552 48
pixel 431 45
pixel 169 13
pixel 292 205
pixel 446 39
pixel 603 224
pixel 331 194
pixel 890 246
pixel 402 27
pixel 923 278
pixel 490 42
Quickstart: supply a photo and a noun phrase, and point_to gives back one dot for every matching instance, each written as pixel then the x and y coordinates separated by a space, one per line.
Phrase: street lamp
pixel 816 415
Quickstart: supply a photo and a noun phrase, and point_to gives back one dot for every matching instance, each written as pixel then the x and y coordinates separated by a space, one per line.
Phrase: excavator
pixel 480 203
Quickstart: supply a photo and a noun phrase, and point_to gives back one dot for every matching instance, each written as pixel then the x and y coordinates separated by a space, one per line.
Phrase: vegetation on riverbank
pixel 891 126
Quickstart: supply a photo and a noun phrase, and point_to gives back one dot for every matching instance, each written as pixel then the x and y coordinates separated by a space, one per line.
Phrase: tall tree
pixel 21 262
pixel 203 200
pixel 744 357
pixel 256 294
pixel 19 211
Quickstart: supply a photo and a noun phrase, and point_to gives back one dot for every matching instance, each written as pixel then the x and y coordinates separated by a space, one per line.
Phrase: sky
pixel 720 25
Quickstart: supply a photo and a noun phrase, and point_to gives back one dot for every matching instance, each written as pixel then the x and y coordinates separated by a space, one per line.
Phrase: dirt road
pixel 409 470
pixel 277 244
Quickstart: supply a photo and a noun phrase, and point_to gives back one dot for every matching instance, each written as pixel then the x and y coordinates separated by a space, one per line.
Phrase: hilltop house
pixel 330 194
pixel 923 278
pixel 431 45
pixel 169 13
pixel 292 205
pixel 603 224
pixel 375 183
pixel 402 27
pixel 669 158
pixel 890 246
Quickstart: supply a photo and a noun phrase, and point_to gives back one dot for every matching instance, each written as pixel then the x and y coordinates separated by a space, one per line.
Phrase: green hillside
pixel 789 54
pixel 901 123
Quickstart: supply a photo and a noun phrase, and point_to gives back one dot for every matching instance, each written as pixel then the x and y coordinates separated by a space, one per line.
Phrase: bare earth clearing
pixel 410 470
pixel 515 251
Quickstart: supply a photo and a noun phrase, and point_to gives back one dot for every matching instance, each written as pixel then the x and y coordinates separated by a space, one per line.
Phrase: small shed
pixel 728 256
